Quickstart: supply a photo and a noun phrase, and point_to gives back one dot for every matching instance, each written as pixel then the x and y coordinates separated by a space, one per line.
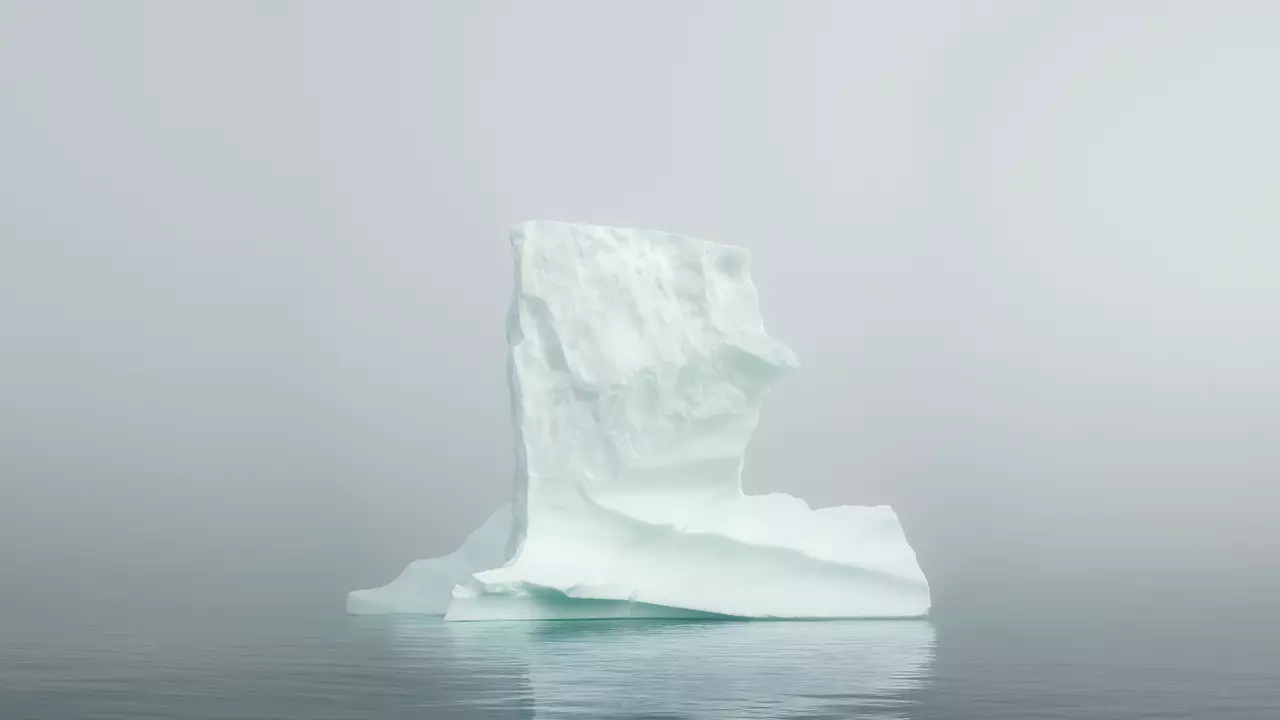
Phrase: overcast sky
pixel 254 267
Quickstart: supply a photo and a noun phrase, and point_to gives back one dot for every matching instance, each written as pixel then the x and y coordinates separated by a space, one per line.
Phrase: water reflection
pixel 615 669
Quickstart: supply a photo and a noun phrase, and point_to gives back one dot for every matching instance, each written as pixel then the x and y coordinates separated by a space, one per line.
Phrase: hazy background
pixel 253 272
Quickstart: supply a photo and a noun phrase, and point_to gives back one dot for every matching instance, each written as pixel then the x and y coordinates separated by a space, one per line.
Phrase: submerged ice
pixel 638 364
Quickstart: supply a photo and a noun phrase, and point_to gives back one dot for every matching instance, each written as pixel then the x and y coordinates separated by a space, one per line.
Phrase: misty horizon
pixel 254 267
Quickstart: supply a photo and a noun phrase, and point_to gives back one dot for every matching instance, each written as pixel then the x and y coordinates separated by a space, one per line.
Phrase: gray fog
pixel 254 267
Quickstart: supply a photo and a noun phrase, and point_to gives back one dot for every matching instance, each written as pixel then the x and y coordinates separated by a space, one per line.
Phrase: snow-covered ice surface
pixel 638 364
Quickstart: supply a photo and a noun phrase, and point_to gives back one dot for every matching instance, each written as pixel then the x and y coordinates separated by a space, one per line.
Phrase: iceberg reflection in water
pixel 628 668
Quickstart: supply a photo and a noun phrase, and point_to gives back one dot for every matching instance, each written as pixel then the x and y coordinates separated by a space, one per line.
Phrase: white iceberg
pixel 638 365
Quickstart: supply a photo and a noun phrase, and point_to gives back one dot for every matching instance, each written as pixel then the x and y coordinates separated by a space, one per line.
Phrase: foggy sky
pixel 254 266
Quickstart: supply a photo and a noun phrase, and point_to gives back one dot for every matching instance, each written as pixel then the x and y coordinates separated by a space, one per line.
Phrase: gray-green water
pixel 1095 656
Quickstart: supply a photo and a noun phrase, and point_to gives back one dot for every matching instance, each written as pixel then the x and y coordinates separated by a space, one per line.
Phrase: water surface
pixel 281 662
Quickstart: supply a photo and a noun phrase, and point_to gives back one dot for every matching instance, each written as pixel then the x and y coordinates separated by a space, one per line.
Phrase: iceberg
pixel 638 363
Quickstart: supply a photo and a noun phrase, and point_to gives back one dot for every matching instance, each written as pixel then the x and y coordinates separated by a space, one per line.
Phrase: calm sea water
pixel 278 662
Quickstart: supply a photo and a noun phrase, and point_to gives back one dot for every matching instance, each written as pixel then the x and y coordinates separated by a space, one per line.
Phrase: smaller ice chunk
pixel 424 586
